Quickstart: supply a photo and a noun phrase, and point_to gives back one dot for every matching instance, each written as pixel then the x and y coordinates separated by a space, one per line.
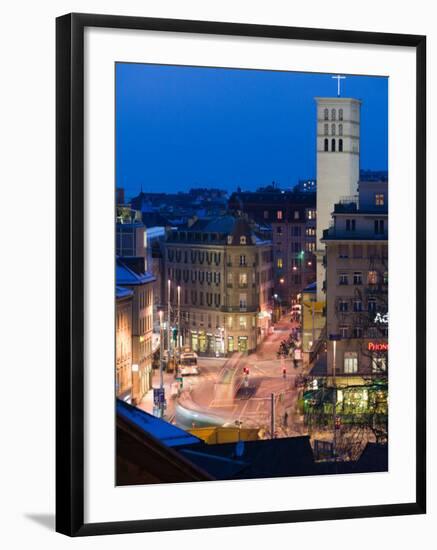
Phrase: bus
pixel 188 363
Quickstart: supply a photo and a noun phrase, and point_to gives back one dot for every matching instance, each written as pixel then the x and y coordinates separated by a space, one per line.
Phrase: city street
pixel 222 394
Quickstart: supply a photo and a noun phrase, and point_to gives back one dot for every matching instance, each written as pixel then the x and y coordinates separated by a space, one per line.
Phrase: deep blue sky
pixel 182 127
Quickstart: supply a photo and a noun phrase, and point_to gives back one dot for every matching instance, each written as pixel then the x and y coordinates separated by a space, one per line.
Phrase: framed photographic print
pixel 240 338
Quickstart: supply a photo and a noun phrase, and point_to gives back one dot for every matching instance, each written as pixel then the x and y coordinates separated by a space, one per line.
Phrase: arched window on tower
pixel 333 145
pixel 326 129
pixel 326 114
pixel 340 114
pixel 326 144
pixel 340 129
pixel 332 129
pixel 340 145
pixel 333 114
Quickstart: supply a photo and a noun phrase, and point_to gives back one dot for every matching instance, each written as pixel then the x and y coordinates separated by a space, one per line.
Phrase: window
pixel 295 247
pixel 242 260
pixel 326 145
pixel 333 145
pixel 358 332
pixel 344 332
pixel 340 129
pixel 379 363
pixel 343 251
pixel 242 279
pixel 311 214
pixel 296 231
pixel 371 305
pixel 350 225
pixel 279 214
pixel 296 215
pixel 280 263
pixel 332 129
pixel 229 239
pixel 243 301
pixel 310 247
pixel 279 230
pixel 358 278
pixel 342 306
pixel 230 322
pixel 372 278
pixel 379 227
pixel 266 214
pixel 326 114
pixel 340 145
pixel 340 114
pixel 343 279
pixel 243 323
pixel 379 199
pixel 242 240
pixel 310 232
pixel 326 129
pixel 350 362
pixel 333 114
pixel 358 305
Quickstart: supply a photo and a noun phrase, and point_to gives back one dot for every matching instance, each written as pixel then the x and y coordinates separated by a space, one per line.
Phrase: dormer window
pixel 229 239
pixel 242 240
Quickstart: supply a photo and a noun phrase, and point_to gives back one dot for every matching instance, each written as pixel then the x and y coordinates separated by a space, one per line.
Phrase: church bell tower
pixel 338 164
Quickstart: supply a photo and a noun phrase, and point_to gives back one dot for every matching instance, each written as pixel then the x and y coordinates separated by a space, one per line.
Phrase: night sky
pixel 182 127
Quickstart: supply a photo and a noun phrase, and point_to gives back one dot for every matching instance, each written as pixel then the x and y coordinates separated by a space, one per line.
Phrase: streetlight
pixel 334 339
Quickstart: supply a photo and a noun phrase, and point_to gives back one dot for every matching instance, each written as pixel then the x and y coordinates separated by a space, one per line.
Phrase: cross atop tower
pixel 338 78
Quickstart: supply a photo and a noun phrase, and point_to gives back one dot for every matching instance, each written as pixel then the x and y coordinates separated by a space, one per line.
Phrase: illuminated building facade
pixel 123 343
pixel 224 269
pixel 357 283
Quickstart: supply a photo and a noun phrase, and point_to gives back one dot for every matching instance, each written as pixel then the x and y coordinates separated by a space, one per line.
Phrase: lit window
pixel 379 199
pixel 350 362
pixel 242 279
pixel 279 214
pixel 372 278
pixel 379 363
pixel 296 214
pixel 242 260
pixel 243 323
pixel 280 263
pixel 243 240
pixel 229 239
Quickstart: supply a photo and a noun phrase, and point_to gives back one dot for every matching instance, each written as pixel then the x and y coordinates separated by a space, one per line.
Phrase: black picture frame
pixel 70 273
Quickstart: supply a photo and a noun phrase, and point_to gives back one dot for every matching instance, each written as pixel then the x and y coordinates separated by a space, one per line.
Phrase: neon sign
pixel 377 346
